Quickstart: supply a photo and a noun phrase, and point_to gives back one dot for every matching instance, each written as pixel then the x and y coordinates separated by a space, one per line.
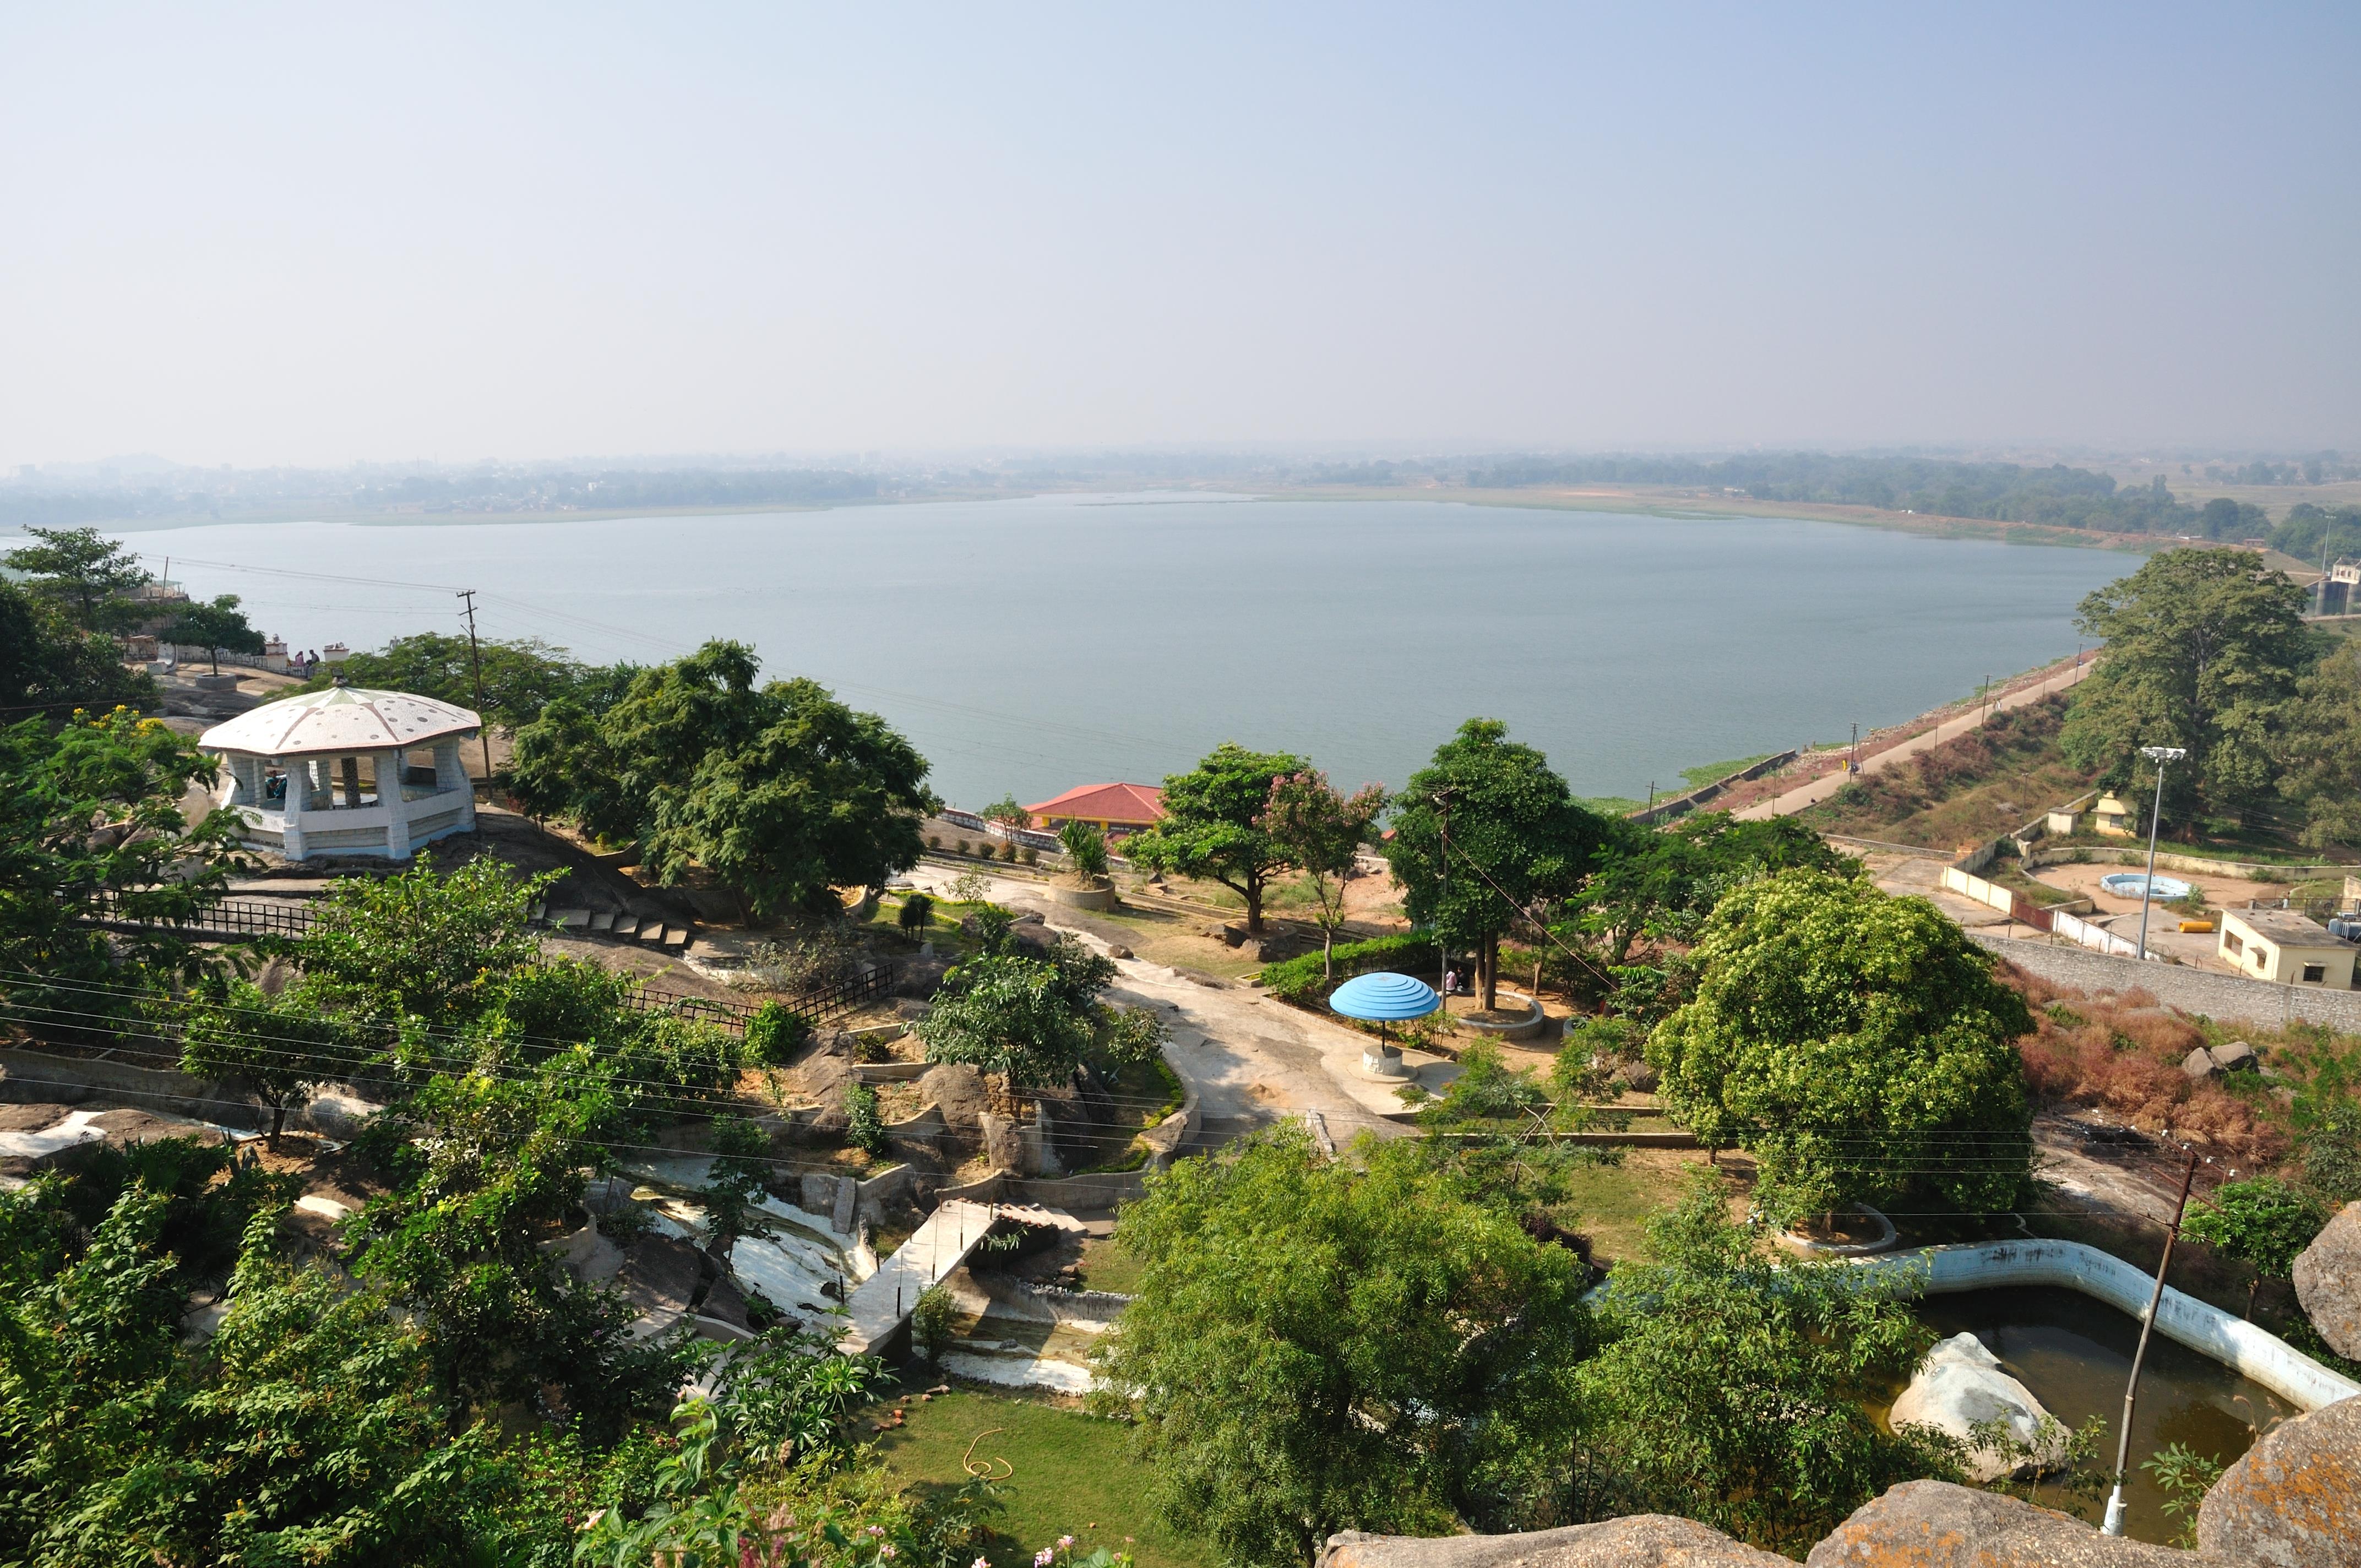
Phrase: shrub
pixel 1086 848
pixel 864 1129
pixel 1029 855
pixel 959 846
pixel 1008 853
pixel 917 914
pixel 1304 980
pixel 773 1033
pixel 930 1322
pixel 934 840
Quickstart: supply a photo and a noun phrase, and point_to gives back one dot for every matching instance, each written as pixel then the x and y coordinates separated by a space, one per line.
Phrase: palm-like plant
pixel 1085 847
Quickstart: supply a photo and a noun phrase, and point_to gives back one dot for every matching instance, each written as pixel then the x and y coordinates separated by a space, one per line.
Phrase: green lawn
pixel 1068 1474
pixel 1714 773
pixel 1612 1204
pixel 1107 1265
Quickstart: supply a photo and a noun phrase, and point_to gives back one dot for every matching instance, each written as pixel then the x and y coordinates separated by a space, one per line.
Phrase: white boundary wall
pixel 2252 1351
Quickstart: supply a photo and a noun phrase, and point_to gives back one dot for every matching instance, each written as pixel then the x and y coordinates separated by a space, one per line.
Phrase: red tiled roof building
pixel 1117 808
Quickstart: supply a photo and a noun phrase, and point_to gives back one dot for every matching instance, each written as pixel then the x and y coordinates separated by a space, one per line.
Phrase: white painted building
pixel 292 771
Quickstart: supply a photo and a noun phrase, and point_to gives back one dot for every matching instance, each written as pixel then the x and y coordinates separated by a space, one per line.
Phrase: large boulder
pixel 2328 1281
pixel 1960 1387
pixel 956 1088
pixel 1640 1540
pixel 2294 1500
pixel 1933 1524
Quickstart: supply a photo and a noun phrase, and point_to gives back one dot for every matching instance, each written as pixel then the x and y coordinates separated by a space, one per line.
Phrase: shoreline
pixel 1669 505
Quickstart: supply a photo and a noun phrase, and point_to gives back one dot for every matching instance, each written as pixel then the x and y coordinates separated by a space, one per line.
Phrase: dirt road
pixel 1819 789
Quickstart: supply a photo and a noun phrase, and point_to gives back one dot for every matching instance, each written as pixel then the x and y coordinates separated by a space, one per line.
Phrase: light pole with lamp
pixel 2159 755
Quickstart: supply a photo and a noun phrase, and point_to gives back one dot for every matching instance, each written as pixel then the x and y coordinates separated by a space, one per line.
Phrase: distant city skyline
pixel 282 236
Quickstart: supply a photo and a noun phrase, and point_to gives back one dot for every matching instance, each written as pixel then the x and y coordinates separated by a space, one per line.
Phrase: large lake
pixel 1030 645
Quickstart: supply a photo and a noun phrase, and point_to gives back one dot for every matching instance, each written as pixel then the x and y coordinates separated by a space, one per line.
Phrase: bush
pixel 1029 855
pixel 930 1322
pixel 773 1033
pixel 917 914
pixel 934 840
pixel 864 1129
pixel 1085 849
pixel 1302 979
pixel 1008 853
pixel 959 846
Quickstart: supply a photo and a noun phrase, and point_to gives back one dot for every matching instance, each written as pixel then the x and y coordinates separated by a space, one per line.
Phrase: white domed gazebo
pixel 294 773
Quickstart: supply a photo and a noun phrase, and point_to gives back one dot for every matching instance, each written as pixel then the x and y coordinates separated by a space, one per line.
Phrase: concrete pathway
pixel 1251 1060
pixel 882 1305
pixel 1819 789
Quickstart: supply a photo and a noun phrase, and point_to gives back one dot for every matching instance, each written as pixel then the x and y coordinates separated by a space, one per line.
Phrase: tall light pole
pixel 2159 755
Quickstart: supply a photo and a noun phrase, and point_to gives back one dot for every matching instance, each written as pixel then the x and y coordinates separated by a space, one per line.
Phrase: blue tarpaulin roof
pixel 1383 998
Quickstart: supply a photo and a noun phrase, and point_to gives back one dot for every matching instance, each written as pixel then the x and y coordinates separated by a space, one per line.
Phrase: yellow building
pixel 2112 816
pixel 2280 946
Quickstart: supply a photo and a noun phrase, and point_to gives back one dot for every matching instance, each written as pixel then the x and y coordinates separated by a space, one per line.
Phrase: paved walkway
pixel 1819 789
pixel 882 1305
pixel 1251 1060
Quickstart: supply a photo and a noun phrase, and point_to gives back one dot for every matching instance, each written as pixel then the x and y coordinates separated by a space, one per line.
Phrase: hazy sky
pixel 324 233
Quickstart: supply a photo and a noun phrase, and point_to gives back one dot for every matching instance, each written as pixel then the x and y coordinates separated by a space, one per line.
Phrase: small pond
pixel 2129 884
pixel 2074 1353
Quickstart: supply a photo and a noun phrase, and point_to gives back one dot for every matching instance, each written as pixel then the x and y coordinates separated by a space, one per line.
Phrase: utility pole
pixel 2159 755
pixel 1442 943
pixel 1854 766
pixel 476 656
pixel 2114 1524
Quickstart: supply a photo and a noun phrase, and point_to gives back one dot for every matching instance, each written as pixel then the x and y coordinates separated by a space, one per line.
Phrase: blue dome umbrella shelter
pixel 1381 998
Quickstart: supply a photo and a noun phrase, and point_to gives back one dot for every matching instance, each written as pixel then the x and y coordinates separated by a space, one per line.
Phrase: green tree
pixel 1319 1345
pixel 86 573
pixel 2318 750
pixel 92 828
pixel 422 943
pixel 1734 1388
pixel 1321 832
pixel 1211 825
pixel 213 627
pixel 276 1047
pixel 735 1184
pixel 520 676
pixel 1518 841
pixel 2263 1222
pixel 780 790
pixel 1657 884
pixel 485 1167
pixel 50 667
pixel 2203 647
pixel 1031 1021
pixel 1858 1044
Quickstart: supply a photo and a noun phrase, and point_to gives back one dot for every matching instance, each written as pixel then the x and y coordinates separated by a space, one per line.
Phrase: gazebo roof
pixel 1385 998
pixel 342 718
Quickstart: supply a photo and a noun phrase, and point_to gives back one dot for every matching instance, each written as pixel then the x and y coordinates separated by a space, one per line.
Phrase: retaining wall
pixel 38 1077
pixel 2222 996
pixel 2253 1353
pixel 2196 865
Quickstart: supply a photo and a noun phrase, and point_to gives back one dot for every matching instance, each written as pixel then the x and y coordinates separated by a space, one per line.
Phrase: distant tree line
pixel 609 489
pixel 2004 492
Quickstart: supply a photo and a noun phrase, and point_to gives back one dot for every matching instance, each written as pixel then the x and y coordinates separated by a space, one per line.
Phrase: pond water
pixel 2074 1353
pixel 1030 645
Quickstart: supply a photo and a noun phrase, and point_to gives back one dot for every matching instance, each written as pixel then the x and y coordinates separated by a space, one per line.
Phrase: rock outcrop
pixel 1642 1541
pixel 1933 1524
pixel 2294 1500
pixel 1960 1387
pixel 957 1089
pixel 2328 1281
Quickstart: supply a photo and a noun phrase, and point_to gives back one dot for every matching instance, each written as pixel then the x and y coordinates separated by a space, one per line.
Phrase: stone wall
pixel 2223 996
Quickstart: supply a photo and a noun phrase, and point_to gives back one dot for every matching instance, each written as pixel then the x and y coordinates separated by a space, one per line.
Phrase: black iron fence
pixel 226 919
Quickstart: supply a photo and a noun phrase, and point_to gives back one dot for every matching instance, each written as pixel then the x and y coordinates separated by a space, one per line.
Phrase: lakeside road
pixel 1821 788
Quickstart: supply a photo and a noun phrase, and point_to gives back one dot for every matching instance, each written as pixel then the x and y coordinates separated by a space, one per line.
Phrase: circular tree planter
pixel 1101 896
pixel 1385 1062
pixel 1881 1235
pixel 1525 1019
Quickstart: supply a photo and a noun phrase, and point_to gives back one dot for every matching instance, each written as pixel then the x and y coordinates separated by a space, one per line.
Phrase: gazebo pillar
pixel 390 766
pixel 450 774
pixel 299 801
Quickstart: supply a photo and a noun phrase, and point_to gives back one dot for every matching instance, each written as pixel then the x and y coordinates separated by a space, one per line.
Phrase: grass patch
pixel 1705 774
pixel 1072 1475
pixel 1972 787
pixel 1612 1204
pixel 1610 805
pixel 1108 1264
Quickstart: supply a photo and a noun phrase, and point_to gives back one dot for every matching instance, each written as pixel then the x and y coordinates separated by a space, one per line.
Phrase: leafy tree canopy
pixel 90 822
pixel 50 667
pixel 1518 840
pixel 219 626
pixel 522 676
pixel 2263 1222
pixel 84 573
pixel 1732 1389
pixel 2202 648
pixel 2318 750
pixel 1321 832
pixel 1320 1346
pixel 1657 884
pixel 778 789
pixel 1857 1043
pixel 1032 1021
pixel 1213 824
pixel 421 943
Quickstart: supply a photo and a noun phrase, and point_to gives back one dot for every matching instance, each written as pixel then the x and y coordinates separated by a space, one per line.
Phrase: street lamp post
pixel 2159 755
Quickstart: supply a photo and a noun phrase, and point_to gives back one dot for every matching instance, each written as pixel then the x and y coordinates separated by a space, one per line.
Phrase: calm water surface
pixel 1030 645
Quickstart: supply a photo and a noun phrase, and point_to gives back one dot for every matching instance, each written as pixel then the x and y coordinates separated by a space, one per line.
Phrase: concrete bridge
pixel 884 1301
